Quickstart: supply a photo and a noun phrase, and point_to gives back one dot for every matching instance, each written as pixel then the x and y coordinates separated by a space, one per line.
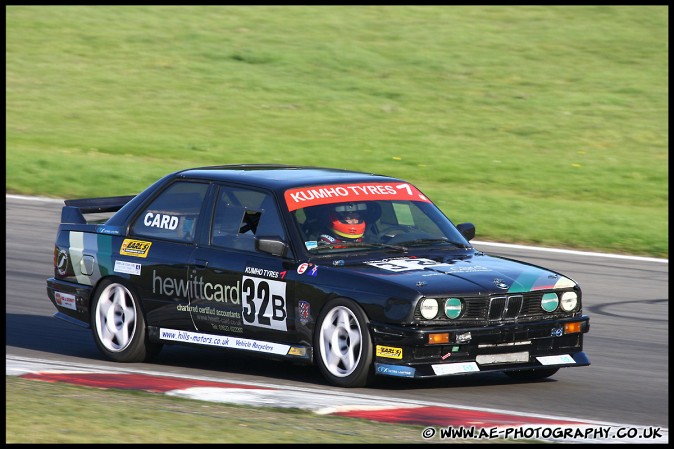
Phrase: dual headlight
pixel 453 307
pixel 429 307
pixel 567 302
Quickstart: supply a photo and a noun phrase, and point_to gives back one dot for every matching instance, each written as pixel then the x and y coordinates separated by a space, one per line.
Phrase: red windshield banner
pixel 338 193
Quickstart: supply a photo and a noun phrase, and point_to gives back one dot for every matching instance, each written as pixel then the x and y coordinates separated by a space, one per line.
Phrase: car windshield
pixel 390 216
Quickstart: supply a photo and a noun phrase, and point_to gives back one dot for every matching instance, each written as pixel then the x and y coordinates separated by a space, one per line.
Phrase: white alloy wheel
pixel 341 341
pixel 118 324
pixel 115 317
pixel 343 344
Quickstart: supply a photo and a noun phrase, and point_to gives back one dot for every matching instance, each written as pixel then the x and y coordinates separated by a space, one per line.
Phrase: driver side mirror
pixel 272 245
pixel 467 230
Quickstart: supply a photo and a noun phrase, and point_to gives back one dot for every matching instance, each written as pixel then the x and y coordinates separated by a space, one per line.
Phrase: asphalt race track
pixel 626 299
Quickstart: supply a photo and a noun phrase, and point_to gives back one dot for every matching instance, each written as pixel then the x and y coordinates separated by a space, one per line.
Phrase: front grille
pixel 482 310
pixel 505 307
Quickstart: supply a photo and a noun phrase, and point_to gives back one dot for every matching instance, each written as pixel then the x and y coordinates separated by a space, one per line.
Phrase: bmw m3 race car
pixel 358 273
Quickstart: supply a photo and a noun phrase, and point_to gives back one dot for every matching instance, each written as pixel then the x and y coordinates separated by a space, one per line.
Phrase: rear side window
pixel 173 214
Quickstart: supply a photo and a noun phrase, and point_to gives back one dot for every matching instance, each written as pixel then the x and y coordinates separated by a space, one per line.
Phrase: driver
pixel 345 224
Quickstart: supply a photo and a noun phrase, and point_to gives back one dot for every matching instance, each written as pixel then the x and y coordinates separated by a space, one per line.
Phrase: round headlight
pixel 549 302
pixel 453 308
pixel 429 308
pixel 569 301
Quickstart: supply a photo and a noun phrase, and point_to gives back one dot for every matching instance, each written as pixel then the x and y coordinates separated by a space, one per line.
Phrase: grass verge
pixel 76 415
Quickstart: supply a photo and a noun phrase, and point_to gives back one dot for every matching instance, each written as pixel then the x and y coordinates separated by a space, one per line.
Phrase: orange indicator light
pixel 570 328
pixel 438 339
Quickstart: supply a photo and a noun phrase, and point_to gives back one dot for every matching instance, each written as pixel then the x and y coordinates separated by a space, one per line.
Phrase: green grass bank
pixel 544 125
pixel 79 415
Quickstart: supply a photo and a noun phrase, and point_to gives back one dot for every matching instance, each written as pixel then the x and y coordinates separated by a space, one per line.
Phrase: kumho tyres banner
pixel 317 195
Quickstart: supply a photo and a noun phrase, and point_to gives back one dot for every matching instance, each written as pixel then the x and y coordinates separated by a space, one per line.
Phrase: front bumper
pixel 406 351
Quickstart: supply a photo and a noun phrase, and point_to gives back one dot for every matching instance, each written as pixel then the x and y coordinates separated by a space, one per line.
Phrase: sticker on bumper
pixel 65 300
pixel 512 357
pixel 394 370
pixel 455 368
pixel 389 352
pixel 563 359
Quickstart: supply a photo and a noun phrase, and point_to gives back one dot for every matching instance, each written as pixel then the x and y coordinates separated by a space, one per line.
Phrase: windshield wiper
pixel 322 245
pixel 419 242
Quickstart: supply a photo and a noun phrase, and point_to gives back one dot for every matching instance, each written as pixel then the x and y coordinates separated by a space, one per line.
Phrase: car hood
pixel 477 273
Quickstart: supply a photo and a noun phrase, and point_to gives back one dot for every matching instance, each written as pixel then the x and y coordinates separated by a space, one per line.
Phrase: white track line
pixel 476 242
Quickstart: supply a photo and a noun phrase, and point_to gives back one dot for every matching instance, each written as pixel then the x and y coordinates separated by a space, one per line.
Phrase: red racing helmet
pixel 346 220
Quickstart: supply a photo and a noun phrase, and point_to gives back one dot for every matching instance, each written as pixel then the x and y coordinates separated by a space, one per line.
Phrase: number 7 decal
pixel 407 188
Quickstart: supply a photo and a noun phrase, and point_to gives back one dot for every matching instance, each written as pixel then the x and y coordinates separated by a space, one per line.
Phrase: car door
pixel 161 242
pixel 241 291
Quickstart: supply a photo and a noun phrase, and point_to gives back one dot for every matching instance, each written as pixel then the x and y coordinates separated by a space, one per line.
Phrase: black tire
pixel 531 374
pixel 343 344
pixel 118 324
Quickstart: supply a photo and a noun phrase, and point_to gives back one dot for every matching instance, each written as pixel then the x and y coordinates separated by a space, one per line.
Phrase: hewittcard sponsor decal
pixel 337 193
pixel 65 300
pixel 136 248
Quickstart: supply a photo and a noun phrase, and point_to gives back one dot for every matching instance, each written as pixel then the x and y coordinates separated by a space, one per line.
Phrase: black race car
pixel 359 273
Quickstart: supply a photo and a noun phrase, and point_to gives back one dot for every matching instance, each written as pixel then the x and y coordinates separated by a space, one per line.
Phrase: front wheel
pixel 531 374
pixel 344 345
pixel 118 324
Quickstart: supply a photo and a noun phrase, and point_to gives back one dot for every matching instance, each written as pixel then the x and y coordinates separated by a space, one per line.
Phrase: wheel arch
pixel 121 280
pixel 330 298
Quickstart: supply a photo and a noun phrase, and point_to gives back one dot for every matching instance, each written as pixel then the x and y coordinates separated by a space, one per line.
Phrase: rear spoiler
pixel 74 210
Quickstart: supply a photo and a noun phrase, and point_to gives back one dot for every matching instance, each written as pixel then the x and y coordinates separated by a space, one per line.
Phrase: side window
pixel 173 214
pixel 240 215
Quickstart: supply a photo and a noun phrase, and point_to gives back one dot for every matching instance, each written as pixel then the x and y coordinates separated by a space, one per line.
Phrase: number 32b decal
pixel 264 303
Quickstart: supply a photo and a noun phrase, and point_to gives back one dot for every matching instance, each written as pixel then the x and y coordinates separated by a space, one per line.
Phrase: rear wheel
pixel 343 344
pixel 531 374
pixel 118 324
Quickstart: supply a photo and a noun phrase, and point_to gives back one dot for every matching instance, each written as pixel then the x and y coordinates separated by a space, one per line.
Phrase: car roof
pixel 280 177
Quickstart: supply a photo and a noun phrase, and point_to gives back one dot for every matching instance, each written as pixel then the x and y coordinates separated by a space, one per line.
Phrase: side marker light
pixel 438 339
